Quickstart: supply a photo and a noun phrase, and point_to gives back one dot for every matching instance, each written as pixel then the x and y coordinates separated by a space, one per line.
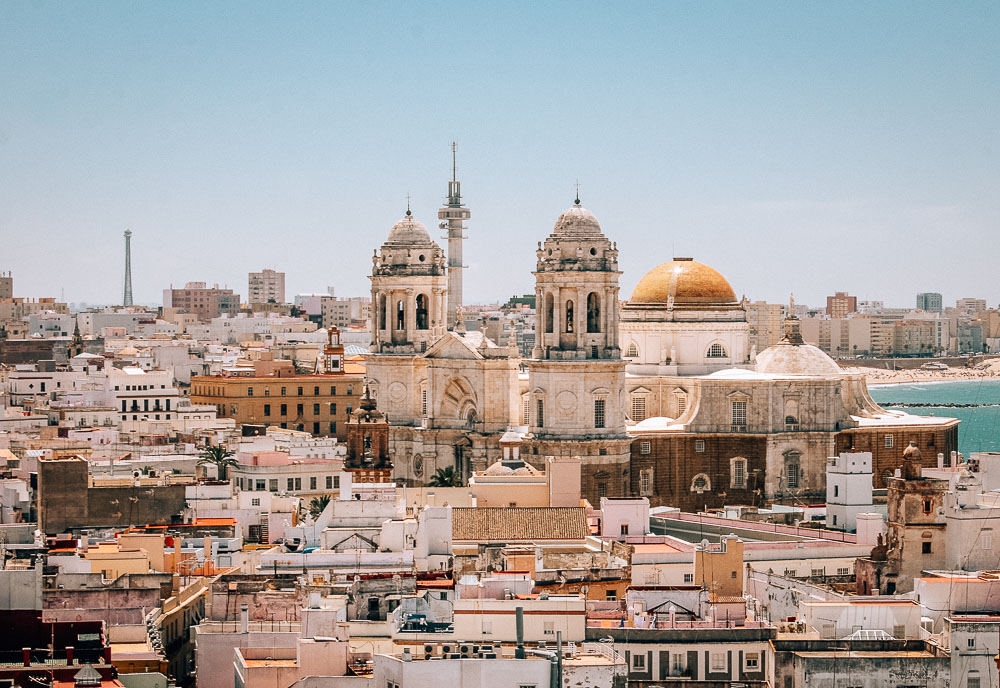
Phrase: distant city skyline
pixel 802 149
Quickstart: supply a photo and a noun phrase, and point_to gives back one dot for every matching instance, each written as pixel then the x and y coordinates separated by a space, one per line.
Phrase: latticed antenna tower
pixel 127 296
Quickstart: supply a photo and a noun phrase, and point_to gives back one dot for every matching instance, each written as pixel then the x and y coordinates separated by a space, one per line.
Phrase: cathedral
pixel 660 396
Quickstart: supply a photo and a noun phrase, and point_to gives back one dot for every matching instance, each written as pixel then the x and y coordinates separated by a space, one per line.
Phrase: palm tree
pixel 318 505
pixel 220 457
pixel 444 477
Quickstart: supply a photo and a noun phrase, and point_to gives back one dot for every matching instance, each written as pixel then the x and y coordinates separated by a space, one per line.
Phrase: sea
pixel 980 427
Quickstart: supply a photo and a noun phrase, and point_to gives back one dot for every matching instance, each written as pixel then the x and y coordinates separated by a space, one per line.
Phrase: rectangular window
pixel 283 390
pixel 333 427
pixel 623 528
pixel 987 540
pixel 927 506
pixel 638 408
pixel 316 391
pixel 925 547
pixel 333 391
pixel 350 390
pixel 844 571
pixel 718 661
pixel 315 409
pixel 645 482
pixel 249 391
pixel 699 446
pixel 792 476
pixel 817 573
pixel 973 681
pixel 739 409
pixel 888 441
pixel 267 409
pixel 525 411
pixel 598 413
pixel 291 484
pixel 638 662
pixel 739 473
pixel 602 489
pixel 333 409
pixel 260 486
pixel 611 595
pixel 689 578
pixel 299 409
pixel 300 391
pixel 549 628
pixel 682 404
pixel 312 483
pixel 267 391
pixel 540 413
pixel 298 483
pixel 752 661
pixel 645 447
pixel 255 501
pixel 329 482
pixel 284 410
pixel 272 485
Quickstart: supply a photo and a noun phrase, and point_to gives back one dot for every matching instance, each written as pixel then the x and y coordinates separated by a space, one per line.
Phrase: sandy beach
pixel 989 369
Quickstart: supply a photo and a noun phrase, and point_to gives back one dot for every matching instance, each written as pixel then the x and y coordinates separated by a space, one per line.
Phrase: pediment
pixel 451 346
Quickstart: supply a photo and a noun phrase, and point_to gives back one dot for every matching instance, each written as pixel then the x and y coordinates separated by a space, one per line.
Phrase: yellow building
pixel 319 404
pixel 111 559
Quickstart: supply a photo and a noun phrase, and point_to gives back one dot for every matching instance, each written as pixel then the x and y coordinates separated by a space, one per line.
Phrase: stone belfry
pixel 454 215
pixel 409 290
pixel 576 373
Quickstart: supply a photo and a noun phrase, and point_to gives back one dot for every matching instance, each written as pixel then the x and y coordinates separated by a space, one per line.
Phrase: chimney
pixel 244 618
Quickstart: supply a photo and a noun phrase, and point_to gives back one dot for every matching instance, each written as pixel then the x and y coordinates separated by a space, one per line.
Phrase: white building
pixel 848 489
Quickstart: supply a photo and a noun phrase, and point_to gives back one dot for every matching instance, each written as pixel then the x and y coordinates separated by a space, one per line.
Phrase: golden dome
pixel 687 281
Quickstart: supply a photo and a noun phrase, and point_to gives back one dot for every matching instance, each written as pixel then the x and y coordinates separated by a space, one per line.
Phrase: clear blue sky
pixel 795 146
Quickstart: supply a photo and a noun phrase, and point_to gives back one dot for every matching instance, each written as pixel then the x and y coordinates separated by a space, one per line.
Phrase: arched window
pixel 400 315
pixel 381 312
pixel 738 473
pixel 717 351
pixel 593 312
pixel 421 311
pixel 793 470
pixel 701 483
pixel 549 313
pixel 791 423
pixel 569 316
pixel 633 351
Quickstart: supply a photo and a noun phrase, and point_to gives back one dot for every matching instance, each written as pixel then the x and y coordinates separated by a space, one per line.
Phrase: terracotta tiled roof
pixel 509 524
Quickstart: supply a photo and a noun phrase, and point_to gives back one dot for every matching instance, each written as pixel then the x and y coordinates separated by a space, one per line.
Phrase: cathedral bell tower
pixel 409 290
pixel 576 373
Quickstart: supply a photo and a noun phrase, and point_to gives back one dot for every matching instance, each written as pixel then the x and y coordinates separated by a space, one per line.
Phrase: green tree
pixel 318 504
pixel 220 457
pixel 444 477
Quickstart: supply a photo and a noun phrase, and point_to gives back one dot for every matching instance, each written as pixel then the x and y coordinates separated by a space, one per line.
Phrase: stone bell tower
pixel 576 373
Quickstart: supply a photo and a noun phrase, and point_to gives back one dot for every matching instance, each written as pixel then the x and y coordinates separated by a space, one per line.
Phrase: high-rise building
pixel 841 304
pixel 266 286
pixel 929 301
pixel 767 323
pixel 455 214
pixel 970 306
pixel 201 300
pixel 6 286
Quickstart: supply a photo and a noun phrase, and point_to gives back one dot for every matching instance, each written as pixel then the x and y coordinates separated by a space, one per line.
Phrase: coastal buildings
pixel 201 300
pixel 266 286
pixel 841 304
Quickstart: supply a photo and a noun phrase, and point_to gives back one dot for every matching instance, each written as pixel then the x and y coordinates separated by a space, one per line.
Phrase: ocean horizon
pixel 980 426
